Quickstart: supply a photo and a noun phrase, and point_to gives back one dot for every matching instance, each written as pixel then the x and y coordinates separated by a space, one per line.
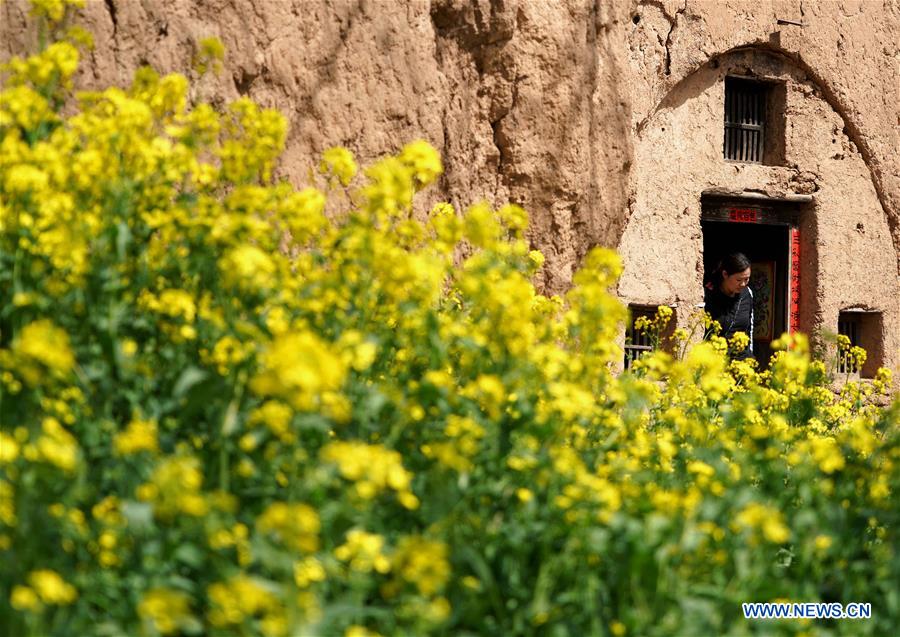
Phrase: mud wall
pixel 540 103
pixel 524 99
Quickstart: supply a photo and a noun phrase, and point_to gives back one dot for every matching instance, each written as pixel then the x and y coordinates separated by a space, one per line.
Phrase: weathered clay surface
pixel 524 99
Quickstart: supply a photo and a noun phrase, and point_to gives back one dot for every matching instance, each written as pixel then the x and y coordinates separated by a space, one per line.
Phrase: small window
pixel 745 120
pixel 848 325
pixel 863 329
pixel 637 343
pixel 754 121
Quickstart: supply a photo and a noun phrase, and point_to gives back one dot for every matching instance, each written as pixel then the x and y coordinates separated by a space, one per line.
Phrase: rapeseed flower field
pixel 225 413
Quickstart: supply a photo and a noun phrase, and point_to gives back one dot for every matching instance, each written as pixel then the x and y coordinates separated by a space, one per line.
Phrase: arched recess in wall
pixel 672 97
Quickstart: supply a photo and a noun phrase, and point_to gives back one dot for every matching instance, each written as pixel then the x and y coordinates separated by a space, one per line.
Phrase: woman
pixel 729 301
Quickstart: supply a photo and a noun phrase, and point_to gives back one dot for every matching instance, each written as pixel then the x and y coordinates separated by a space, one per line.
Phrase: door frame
pixel 769 212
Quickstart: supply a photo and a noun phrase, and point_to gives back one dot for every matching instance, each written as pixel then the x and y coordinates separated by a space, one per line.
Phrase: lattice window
pixel 745 120
pixel 637 343
pixel 864 328
pixel 849 326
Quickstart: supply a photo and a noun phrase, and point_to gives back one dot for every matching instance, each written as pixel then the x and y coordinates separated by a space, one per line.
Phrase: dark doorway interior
pixel 764 244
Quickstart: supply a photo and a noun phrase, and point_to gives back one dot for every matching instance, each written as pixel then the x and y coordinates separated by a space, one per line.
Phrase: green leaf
pixel 109 629
pixel 189 554
pixel 182 583
pixel 190 377
pixel 230 421
pixel 123 238
pixel 138 514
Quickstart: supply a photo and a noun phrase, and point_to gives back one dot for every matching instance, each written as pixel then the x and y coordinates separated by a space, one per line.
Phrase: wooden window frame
pixel 745 120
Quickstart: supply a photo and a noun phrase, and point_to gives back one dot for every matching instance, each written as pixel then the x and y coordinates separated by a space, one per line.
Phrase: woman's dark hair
pixel 734 262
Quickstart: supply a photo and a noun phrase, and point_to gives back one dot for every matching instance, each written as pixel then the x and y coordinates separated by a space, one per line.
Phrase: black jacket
pixel 734 314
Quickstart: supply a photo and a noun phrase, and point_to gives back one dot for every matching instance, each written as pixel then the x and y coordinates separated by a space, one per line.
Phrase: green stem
pixel 229 422
pixel 42 35
pixel 224 466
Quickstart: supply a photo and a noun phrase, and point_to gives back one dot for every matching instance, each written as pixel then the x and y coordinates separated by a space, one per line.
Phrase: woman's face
pixel 733 283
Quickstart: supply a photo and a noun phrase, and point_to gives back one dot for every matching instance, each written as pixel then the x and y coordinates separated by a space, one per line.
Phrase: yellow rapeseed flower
pixel 248 268
pixel 339 162
pixel 373 468
pixel 300 368
pixel 296 525
pixel 53 9
pixel 360 631
pixel 239 598
pixel 139 435
pixel 363 552
pixel 55 445
pixel 758 516
pixel 308 571
pixel 175 487
pixel 43 342
pixel 827 453
pixel 166 609
pixel 9 448
pixel 422 562
pixel 24 598
pixel 52 588
pixel 423 160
